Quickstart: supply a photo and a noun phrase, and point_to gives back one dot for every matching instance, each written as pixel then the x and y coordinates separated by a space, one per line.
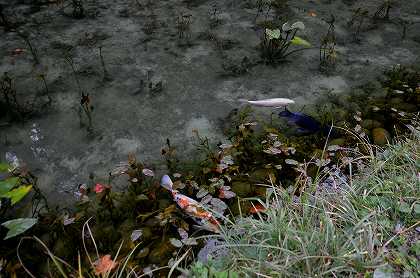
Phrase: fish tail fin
pixel 243 100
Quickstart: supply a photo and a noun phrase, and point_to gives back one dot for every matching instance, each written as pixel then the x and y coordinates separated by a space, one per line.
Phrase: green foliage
pixel 366 224
pixel 275 43
pixel 18 226
pixel 17 194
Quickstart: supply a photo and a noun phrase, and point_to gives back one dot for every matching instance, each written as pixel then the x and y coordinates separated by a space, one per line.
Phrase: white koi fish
pixel 270 102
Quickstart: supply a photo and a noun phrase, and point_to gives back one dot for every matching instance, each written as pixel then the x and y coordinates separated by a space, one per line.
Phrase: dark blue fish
pixel 306 124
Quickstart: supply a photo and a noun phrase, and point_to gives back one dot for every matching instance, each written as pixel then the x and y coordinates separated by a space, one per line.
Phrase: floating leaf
pixel 17 194
pixel 291 162
pixel 7 185
pixel 4 167
pixel 298 25
pixel 286 27
pixel 148 172
pixel 182 233
pixel 68 221
pixel 176 242
pixel 201 193
pixel 136 234
pixel 272 34
pixel 104 265
pixel 18 226
pixel 299 41
pixel 190 241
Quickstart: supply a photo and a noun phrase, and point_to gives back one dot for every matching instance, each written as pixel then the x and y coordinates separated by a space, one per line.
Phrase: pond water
pixel 191 84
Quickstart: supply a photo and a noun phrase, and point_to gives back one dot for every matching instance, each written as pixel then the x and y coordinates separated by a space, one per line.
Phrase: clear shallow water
pixel 195 95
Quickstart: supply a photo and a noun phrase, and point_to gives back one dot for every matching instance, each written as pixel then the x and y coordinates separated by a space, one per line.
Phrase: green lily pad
pixel 299 41
pixel 272 34
pixel 17 194
pixel 4 167
pixel 18 226
pixel 7 185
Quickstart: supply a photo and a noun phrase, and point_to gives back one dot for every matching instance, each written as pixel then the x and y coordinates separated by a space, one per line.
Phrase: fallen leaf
pixel 148 172
pixel 104 265
pixel 257 208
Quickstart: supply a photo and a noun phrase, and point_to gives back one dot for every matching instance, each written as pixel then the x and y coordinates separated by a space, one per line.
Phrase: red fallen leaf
pixel 100 188
pixel 104 265
pixel 257 208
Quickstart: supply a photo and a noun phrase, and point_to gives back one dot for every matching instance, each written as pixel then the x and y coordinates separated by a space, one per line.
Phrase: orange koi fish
pixel 191 207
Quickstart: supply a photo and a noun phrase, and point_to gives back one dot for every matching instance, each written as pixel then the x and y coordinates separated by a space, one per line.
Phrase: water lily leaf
pixel 7 185
pixel 18 226
pixel 4 167
pixel 286 27
pixel 135 235
pixel 299 41
pixel 298 25
pixel 272 34
pixel 17 194
pixel 176 242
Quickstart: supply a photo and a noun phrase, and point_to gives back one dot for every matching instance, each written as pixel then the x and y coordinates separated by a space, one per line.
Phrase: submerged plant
pixel 4 21
pixel 87 109
pixel 10 97
pixel 275 43
pixel 327 50
pixel 78 9
pixel 383 10
pixel 357 21
pixel 183 24
pixel 106 74
pixel 34 52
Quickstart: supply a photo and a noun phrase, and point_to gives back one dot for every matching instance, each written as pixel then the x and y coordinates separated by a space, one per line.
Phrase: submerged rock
pixel 370 124
pixel 380 136
pixel 242 188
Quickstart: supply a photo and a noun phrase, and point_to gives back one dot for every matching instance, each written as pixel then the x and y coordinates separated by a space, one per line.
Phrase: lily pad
pixel 4 167
pixel 298 25
pixel 7 185
pixel 18 226
pixel 272 34
pixel 17 194
pixel 299 41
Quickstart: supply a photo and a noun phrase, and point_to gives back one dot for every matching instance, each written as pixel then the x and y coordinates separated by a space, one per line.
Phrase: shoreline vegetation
pixel 340 204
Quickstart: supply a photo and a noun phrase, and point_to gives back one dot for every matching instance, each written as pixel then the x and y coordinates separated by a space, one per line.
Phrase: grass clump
pixel 365 226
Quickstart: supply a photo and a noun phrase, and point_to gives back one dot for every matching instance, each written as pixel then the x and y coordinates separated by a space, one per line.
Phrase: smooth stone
pixel 380 136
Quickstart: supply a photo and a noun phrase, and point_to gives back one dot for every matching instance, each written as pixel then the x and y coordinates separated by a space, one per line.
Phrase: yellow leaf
pixel 299 41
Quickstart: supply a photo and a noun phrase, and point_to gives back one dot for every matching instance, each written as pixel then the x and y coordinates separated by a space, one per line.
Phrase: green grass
pixel 364 229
